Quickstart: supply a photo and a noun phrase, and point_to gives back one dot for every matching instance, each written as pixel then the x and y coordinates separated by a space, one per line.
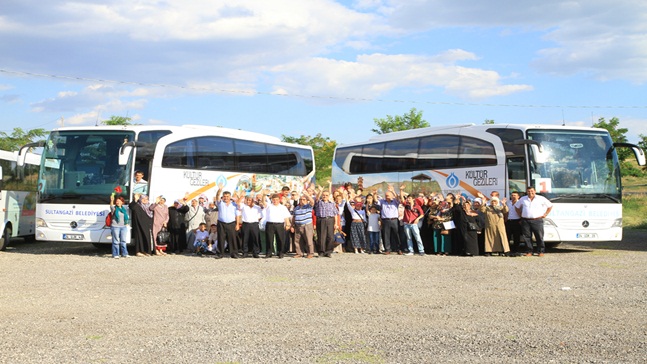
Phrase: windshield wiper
pixel 586 196
pixel 606 195
pixel 564 197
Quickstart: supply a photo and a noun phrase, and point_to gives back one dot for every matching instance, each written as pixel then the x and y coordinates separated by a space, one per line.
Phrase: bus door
pixel 146 143
pixel 516 171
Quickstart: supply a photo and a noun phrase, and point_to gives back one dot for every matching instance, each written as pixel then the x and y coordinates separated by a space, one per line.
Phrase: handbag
pixel 339 238
pixel 163 237
pixel 109 219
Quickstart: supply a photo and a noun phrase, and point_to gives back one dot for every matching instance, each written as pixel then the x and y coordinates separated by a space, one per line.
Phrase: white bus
pixel 17 196
pixel 82 166
pixel 576 168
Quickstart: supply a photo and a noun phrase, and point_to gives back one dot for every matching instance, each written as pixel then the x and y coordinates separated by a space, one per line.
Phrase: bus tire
pixel 6 238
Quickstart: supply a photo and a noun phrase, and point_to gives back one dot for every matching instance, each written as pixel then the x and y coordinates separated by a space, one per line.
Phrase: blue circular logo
pixel 221 180
pixel 452 181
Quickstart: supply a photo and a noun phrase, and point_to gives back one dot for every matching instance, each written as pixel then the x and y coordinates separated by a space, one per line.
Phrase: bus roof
pixel 413 133
pixel 188 130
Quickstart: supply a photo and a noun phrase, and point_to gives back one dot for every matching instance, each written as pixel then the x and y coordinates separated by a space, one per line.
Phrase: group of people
pixel 321 221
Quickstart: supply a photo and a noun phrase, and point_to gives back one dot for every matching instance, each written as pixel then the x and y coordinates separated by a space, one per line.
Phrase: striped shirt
pixel 302 214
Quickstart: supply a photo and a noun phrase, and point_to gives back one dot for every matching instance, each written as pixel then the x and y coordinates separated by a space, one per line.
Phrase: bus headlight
pixel 40 222
pixel 549 222
pixel 617 223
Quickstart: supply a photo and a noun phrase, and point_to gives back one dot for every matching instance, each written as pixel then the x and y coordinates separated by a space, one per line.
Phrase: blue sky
pixel 321 66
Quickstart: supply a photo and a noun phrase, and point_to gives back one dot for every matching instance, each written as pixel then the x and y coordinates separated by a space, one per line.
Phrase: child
pixel 201 239
pixel 213 239
pixel 374 224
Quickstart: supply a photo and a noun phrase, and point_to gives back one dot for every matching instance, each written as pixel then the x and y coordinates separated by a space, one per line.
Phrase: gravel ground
pixel 74 303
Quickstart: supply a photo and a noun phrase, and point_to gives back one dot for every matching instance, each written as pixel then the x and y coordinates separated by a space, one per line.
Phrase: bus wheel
pixel 6 238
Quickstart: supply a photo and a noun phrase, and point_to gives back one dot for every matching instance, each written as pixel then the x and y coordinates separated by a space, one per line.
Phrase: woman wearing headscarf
pixel 496 239
pixel 177 226
pixel 442 235
pixel 160 219
pixel 119 226
pixel 467 224
pixel 142 225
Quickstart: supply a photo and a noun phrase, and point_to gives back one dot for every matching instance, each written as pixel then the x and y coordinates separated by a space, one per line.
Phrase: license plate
pixel 586 235
pixel 72 236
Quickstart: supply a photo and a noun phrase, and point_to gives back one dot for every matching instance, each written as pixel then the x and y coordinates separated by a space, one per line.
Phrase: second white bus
pixel 576 168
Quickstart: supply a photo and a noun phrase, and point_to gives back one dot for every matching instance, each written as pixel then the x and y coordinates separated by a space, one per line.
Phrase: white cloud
pixel 635 127
pixel 598 38
pixel 370 76
pixel 102 100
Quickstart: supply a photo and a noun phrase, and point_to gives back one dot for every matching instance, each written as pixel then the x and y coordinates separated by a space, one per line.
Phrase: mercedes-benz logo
pixel 585 224
pixel 73 225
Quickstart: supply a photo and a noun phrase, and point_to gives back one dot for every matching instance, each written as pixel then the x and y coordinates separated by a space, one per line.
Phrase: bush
pixel 634 210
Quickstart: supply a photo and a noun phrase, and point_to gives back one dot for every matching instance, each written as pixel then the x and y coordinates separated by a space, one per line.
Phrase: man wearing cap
pixel 533 209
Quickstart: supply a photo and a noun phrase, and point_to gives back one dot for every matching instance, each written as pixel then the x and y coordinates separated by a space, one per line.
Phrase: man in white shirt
pixel 513 223
pixel 277 218
pixel 533 209
pixel 140 185
pixel 249 215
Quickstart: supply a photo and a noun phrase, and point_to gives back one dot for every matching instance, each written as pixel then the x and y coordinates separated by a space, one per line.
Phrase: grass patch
pixel 634 211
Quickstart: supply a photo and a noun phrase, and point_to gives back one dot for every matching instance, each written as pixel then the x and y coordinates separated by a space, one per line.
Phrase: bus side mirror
pixel 638 152
pixel 539 156
pixel 24 150
pixel 124 153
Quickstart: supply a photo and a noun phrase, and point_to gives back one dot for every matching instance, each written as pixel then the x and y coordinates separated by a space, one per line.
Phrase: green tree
pixel 488 122
pixel 118 120
pixel 643 142
pixel 19 137
pixel 618 135
pixel 323 147
pixel 412 120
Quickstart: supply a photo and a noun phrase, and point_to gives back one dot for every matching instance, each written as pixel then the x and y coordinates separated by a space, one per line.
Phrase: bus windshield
pixel 82 166
pixel 578 164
